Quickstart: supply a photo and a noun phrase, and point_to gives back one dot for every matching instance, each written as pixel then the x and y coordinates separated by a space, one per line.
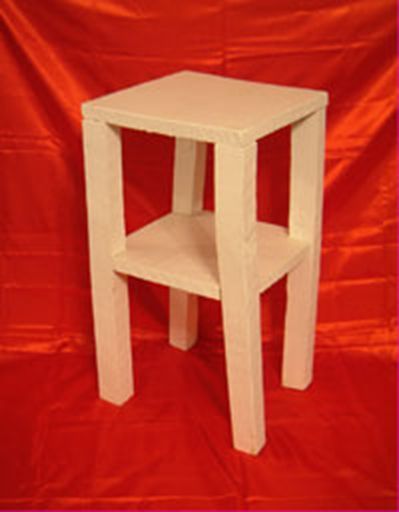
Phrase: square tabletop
pixel 206 107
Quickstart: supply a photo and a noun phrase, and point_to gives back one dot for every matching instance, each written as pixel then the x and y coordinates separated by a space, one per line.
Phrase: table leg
pixel 306 199
pixel 235 190
pixel 188 191
pixel 103 169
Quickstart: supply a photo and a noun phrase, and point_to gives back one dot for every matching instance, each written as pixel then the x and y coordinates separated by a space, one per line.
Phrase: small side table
pixel 225 255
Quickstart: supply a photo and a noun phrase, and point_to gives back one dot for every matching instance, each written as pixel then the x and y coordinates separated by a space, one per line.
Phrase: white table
pixel 225 255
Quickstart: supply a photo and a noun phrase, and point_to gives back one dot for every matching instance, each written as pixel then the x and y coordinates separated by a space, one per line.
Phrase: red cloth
pixel 333 446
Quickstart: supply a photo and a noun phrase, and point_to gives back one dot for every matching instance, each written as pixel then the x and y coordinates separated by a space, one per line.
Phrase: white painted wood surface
pixel 102 154
pixel 236 243
pixel 226 255
pixel 306 200
pixel 188 193
pixel 206 107
pixel 179 250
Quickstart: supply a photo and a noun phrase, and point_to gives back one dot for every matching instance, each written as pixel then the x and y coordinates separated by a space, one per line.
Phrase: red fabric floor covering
pixel 331 447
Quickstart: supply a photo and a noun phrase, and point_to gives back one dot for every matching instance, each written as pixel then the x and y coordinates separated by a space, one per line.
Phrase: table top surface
pixel 206 107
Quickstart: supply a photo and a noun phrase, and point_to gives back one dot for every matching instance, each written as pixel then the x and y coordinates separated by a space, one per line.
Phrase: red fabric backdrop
pixel 332 446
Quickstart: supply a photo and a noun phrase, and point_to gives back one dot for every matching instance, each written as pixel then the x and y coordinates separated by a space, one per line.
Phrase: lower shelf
pixel 179 251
